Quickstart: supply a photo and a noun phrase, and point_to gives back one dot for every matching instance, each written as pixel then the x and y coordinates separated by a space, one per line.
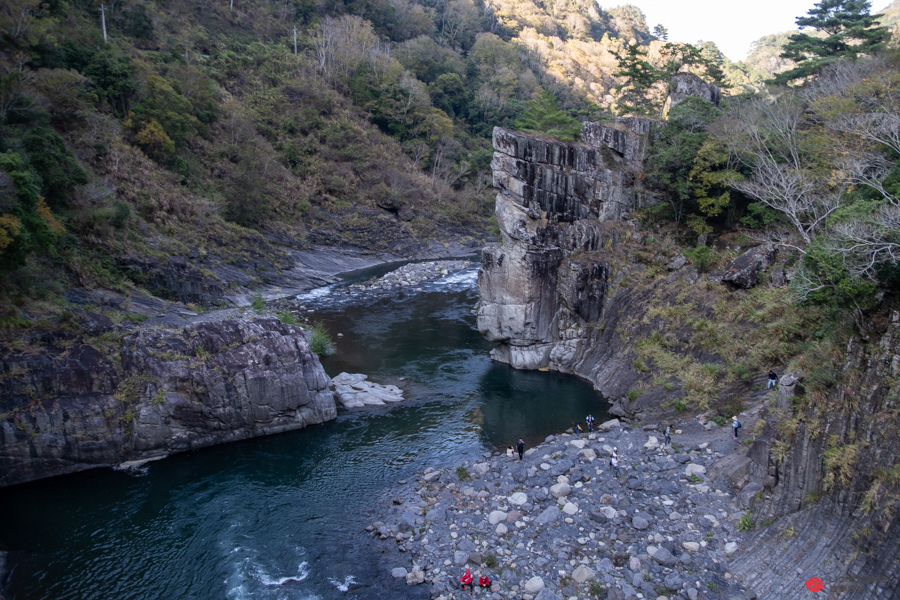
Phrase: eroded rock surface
pixel 75 404
pixel 554 201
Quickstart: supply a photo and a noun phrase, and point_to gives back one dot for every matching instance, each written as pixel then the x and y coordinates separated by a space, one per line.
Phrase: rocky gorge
pixel 579 285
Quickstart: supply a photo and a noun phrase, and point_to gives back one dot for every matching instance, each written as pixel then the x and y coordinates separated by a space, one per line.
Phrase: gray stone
pixel 664 557
pixel 748 494
pixel 694 469
pixel 460 558
pixel 398 573
pixel 519 498
pixel 640 523
pixel 546 594
pixel 582 574
pixel 743 272
pixel 416 577
pixel 496 516
pixel 560 490
pixel 550 515
pixel 534 585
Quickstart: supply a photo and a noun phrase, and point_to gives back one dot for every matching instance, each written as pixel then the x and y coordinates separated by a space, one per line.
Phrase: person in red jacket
pixel 484 581
pixel 466 580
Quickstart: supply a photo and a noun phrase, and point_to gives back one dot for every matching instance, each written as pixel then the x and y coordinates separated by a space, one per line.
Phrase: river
pixel 283 517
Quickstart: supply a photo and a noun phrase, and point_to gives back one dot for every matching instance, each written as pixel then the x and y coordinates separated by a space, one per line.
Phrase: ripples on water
pixel 282 517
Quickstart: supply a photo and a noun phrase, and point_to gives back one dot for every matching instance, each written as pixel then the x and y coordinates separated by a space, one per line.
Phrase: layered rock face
pixel 67 409
pixel 555 200
pixel 832 489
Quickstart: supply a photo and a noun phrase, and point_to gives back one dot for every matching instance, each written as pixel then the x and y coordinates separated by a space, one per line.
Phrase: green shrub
pixel 745 523
pixel 701 257
pixel 633 394
pixel 490 560
pixel 680 406
pixel 288 318
pixel 319 340
pixel 258 303
pixel 463 473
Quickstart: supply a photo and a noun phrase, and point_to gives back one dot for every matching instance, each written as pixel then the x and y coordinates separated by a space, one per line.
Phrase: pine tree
pixel 634 94
pixel 544 116
pixel 849 32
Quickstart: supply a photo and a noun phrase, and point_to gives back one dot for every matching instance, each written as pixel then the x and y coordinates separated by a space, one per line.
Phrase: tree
pixel 674 149
pixel 545 116
pixel 767 140
pixel 849 31
pixel 636 93
pixel 661 33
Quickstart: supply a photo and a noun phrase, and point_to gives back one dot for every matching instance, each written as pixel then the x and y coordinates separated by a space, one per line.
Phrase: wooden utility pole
pixel 295 39
pixel 103 20
pixel 231 5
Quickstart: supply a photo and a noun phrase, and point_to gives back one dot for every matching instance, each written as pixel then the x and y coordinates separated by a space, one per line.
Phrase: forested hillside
pixel 225 132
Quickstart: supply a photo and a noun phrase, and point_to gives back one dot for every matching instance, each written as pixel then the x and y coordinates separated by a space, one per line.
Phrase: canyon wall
pixel 824 482
pixel 74 402
pixel 553 201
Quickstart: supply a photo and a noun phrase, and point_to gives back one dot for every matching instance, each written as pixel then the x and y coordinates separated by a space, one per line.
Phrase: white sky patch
pixel 732 26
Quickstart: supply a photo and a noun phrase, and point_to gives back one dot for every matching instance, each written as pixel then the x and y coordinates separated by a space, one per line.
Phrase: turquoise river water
pixel 283 517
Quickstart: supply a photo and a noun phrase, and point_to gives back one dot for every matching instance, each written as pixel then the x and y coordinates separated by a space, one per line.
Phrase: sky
pixel 733 26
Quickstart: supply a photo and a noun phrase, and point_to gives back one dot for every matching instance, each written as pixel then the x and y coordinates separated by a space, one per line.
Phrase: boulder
pixel 693 469
pixel 416 576
pixel 496 516
pixel 560 490
pixel 519 498
pixel 734 468
pixel 582 574
pixel 743 272
pixel 607 425
pixel 550 515
pixel 354 391
pixel 664 557
pixel 534 585
pixel 748 494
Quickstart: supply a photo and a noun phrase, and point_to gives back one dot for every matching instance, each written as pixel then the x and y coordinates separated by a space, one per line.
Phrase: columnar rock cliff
pixel 553 201
pixel 831 487
pixel 68 406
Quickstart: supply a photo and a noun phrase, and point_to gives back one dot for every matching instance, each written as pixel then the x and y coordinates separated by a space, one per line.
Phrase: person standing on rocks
pixel 520 448
pixel 735 425
pixel 590 423
pixel 668 434
pixel 614 463
pixel 773 379
pixel 577 429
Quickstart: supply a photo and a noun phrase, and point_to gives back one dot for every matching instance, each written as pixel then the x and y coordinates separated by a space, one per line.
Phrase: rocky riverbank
pixel 559 524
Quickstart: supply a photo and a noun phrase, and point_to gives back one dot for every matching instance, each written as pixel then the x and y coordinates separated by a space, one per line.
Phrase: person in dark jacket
pixel 520 448
pixel 773 380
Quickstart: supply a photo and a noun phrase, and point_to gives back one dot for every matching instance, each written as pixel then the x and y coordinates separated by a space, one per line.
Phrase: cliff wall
pixel 72 403
pixel 827 481
pixel 554 202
